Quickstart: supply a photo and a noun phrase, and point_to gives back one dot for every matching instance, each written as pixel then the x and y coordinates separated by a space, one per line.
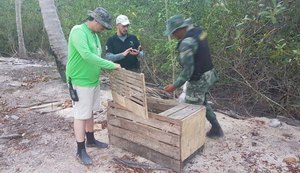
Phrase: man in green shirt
pixel 83 71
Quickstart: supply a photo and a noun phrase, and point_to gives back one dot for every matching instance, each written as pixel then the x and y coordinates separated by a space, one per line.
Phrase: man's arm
pixel 81 44
pixel 187 49
pixel 114 57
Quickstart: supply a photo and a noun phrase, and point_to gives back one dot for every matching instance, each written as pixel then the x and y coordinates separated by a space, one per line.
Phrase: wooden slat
pixel 137 79
pixel 147 153
pixel 129 93
pixel 137 109
pixel 162 101
pixel 163 125
pixel 151 115
pixel 171 121
pixel 158 105
pixel 129 90
pixel 127 101
pixel 128 73
pixel 145 95
pixel 124 81
pixel 173 110
pixel 181 114
pixel 145 130
pixel 128 98
pixel 123 85
pixel 193 133
pixel 136 84
pixel 168 150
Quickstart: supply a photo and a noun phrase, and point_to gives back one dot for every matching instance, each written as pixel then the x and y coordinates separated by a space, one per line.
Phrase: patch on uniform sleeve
pixel 106 48
pixel 188 43
pixel 203 36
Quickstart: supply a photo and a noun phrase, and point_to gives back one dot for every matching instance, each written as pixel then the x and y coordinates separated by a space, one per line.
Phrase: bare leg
pixel 79 129
pixel 91 141
pixel 89 125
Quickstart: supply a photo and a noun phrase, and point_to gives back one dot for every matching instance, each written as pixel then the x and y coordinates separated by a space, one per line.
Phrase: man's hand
pixel 170 88
pixel 134 52
pixel 117 66
pixel 127 51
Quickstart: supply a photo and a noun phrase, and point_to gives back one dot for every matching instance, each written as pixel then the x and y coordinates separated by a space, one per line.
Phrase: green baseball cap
pixel 176 22
pixel 101 16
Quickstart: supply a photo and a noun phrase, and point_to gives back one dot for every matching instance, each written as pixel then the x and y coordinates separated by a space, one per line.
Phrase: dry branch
pixel 256 91
pixel 12 136
pixel 37 104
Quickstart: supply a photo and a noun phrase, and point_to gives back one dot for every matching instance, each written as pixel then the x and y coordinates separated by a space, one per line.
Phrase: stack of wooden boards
pixel 162 131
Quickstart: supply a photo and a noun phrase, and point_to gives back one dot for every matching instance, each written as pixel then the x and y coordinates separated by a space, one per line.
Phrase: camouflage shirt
pixel 187 48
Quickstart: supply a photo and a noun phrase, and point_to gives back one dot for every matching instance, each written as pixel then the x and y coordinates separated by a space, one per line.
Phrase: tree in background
pixel 56 36
pixel 21 50
pixel 254 44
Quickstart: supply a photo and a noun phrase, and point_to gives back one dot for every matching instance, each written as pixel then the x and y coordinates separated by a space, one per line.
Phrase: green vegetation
pixel 255 44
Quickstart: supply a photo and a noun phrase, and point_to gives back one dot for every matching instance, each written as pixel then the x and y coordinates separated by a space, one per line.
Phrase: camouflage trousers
pixel 197 90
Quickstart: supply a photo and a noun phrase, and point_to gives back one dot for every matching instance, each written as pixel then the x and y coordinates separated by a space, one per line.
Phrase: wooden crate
pixel 169 134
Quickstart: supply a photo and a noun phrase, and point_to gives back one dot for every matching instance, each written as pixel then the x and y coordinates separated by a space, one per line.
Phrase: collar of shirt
pixel 123 38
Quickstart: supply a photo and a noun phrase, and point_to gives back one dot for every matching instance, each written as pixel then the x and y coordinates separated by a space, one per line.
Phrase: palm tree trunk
pixel 21 44
pixel 56 36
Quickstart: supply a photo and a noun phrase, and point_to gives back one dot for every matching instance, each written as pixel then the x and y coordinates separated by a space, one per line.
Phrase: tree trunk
pixel 56 36
pixel 21 44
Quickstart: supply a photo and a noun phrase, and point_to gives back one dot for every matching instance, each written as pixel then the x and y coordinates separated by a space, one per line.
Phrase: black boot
pixel 81 154
pixel 92 142
pixel 215 131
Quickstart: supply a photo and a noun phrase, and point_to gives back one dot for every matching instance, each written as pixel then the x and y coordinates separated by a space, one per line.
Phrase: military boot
pixel 215 131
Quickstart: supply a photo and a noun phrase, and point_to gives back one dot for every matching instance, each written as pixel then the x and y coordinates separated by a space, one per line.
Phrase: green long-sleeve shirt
pixel 85 64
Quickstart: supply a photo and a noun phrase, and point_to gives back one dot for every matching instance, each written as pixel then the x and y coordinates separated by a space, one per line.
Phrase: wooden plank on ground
pixel 146 153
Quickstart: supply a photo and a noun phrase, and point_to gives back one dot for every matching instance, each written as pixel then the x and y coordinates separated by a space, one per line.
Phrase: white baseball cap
pixel 123 20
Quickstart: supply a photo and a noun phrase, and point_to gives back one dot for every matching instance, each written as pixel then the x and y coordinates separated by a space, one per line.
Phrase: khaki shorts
pixel 89 101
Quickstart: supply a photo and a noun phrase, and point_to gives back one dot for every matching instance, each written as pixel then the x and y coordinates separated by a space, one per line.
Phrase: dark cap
pixel 176 22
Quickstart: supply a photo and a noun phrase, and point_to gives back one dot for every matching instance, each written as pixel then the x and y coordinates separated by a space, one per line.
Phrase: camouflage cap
pixel 176 22
pixel 101 16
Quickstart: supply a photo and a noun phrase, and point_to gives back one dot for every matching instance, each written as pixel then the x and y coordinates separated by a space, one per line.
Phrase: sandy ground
pixel 36 133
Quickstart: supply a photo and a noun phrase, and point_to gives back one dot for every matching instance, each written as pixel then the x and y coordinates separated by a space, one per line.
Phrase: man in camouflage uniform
pixel 198 70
